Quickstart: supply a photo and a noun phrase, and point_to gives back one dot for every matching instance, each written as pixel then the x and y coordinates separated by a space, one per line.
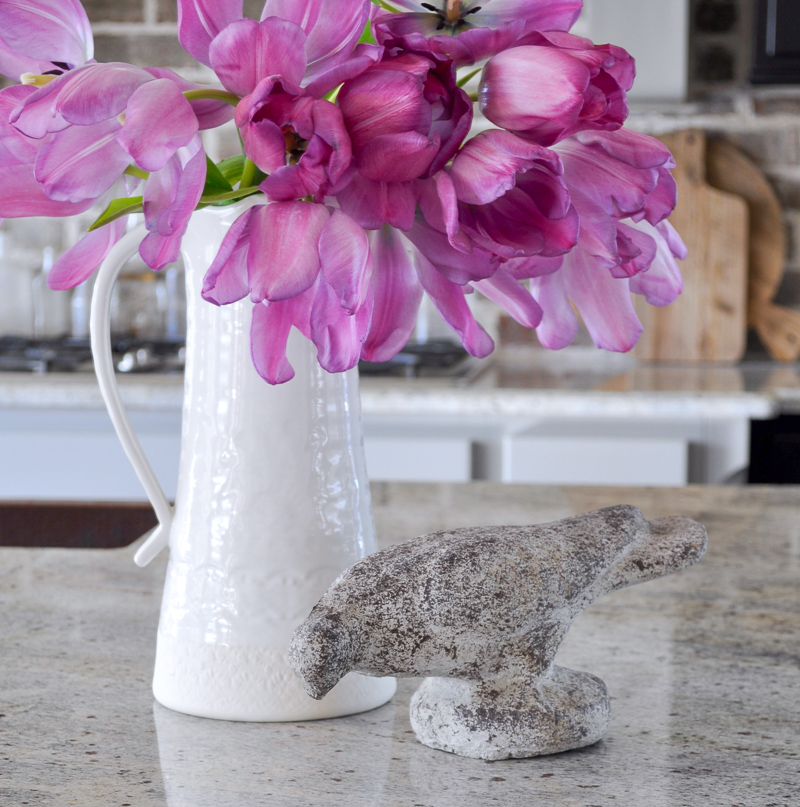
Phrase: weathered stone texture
pixel 490 607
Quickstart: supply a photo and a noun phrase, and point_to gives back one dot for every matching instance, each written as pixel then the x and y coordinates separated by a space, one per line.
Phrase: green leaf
pixel 367 38
pixel 117 209
pixel 231 168
pixel 215 180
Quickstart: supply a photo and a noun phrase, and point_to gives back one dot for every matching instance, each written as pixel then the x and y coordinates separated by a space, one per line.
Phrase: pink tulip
pixel 278 116
pixel 406 117
pixel 556 85
pixel 43 37
pixel 81 261
pixel 470 31
pixel 512 199
pixel 20 193
pixel 620 184
pixel 397 294
pixel 320 34
pixel 304 265
pixel 171 195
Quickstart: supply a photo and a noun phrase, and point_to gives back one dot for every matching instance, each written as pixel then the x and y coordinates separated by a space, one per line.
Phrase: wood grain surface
pixel 778 328
pixel 708 322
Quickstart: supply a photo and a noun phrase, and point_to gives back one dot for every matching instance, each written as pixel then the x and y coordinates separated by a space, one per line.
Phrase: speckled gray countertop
pixel 703 669
pixel 577 382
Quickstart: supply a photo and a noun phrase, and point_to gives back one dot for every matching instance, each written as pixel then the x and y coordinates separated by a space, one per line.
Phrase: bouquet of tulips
pixel 354 119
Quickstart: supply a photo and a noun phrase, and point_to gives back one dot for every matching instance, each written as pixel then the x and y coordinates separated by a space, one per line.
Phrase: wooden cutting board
pixel 778 328
pixel 708 322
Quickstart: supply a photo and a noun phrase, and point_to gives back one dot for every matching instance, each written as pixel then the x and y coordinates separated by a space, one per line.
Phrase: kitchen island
pixel 519 416
pixel 703 669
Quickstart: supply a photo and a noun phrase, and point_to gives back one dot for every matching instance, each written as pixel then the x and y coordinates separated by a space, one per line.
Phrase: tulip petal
pixel 20 147
pixel 486 166
pixel 514 225
pixel 333 27
pixel 199 22
pixel 79 262
pixel 636 250
pixel 283 260
pixel 398 157
pixel 210 114
pixel 609 177
pixel 81 162
pixel 418 32
pixel 14 64
pixel 373 204
pixel 264 144
pixel 226 279
pixel 247 51
pixel 439 206
pixel 46 31
pixel 451 303
pixel 397 295
pixel 384 102
pixel 533 266
pixel 158 121
pixel 559 325
pixel 364 56
pixel 603 301
pixel 535 90
pixel 269 334
pixel 662 283
pixel 345 260
pixel 21 196
pixel 36 115
pixel 170 197
pixel 337 334
pixel 458 267
pixel 505 290
pixel 539 15
pixel 99 92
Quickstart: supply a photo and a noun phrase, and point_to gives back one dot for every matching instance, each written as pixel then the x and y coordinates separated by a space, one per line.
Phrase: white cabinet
pixel 56 443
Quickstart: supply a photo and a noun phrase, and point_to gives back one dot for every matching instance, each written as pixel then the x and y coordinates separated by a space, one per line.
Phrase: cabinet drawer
pixel 425 459
pixel 561 460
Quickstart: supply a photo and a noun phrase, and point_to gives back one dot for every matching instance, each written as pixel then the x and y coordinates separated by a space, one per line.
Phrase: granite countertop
pixel 703 670
pixel 512 383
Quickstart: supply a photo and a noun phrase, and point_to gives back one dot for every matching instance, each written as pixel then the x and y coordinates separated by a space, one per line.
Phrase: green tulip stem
pixel 248 174
pixel 212 95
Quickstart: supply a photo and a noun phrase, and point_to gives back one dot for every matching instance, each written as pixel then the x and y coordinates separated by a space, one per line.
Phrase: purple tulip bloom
pixel 555 85
pixel 406 118
pixel 513 200
pixel 43 37
pixel 279 118
pixel 88 126
pixel 304 265
pixel 320 34
pixel 622 189
pixel 20 193
pixel 470 31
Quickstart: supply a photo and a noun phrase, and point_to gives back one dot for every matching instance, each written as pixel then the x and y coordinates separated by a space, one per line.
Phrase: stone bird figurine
pixel 483 611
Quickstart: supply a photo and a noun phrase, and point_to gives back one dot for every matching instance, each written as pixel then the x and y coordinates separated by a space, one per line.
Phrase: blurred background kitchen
pixel 703 399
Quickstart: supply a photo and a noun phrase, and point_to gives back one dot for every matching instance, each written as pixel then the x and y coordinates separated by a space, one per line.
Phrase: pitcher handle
pixel 100 330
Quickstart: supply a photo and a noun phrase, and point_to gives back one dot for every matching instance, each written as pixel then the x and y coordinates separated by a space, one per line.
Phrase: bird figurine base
pixel 483 611
pixel 494 720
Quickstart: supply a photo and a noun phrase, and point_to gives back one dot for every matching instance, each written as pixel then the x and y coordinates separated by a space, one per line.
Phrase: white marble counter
pixel 510 384
pixel 702 667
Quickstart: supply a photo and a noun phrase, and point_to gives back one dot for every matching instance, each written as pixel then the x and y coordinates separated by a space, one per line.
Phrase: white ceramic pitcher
pixel 273 503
